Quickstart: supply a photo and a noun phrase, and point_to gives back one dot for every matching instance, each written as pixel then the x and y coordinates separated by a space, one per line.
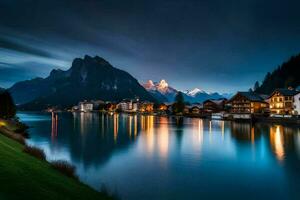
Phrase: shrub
pixel 65 168
pixel 35 152
pixel 17 137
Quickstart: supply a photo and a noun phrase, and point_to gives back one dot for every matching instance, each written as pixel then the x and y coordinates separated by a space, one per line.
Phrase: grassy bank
pixel 25 177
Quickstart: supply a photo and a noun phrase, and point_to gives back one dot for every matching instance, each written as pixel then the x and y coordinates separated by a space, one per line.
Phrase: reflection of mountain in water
pixel 94 137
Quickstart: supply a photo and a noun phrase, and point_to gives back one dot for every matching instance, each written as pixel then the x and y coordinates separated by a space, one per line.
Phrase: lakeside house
pixel 244 104
pixel 133 106
pixel 128 105
pixel 146 106
pixel 214 105
pixel 162 107
pixel 196 109
pixel 282 101
pixel 85 106
pixel 297 104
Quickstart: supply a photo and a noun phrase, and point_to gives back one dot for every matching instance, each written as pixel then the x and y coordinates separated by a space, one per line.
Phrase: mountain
pixel 87 79
pixel 165 93
pixel 286 75
pixel 197 95
pixel 194 92
pixel 161 90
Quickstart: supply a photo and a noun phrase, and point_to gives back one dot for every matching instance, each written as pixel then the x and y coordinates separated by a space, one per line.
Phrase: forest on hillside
pixel 284 76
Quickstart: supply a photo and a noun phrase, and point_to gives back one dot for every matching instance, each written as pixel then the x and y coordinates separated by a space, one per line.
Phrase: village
pixel 281 104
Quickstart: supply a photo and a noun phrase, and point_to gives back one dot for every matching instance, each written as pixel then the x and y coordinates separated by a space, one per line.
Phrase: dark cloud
pixel 216 44
pixel 23 48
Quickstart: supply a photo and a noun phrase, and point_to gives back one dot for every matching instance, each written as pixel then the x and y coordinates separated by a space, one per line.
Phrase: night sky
pixel 215 45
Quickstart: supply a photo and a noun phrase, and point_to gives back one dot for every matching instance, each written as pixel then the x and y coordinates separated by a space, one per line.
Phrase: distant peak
pixel 87 57
pixel 149 85
pixel 163 84
pixel 194 91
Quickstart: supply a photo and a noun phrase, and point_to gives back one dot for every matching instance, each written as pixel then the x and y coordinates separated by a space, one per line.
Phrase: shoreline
pixel 253 119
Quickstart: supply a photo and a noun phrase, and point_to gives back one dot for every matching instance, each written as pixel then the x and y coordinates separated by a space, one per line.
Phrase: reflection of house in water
pixel 281 140
pixel 155 142
pixel 54 122
pixel 277 141
pixel 243 131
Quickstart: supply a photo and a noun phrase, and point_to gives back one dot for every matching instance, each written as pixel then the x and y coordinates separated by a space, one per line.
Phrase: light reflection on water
pixel 151 157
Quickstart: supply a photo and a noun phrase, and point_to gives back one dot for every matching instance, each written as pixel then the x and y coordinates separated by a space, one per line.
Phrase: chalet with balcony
pixel 248 103
pixel 282 101
pixel 214 105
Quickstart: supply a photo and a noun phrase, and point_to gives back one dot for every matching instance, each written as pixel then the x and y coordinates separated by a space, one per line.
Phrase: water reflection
pixel 277 141
pixel 172 153
pixel 54 125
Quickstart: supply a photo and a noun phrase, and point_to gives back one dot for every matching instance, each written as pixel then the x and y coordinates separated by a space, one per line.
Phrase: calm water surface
pixel 149 157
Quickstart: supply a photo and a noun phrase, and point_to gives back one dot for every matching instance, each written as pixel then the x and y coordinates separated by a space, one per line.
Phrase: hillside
pixel 286 75
pixel 25 177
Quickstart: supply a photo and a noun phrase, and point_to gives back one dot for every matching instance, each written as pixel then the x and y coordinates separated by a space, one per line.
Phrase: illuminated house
pixel 248 103
pixel 195 109
pixel 297 104
pixel 213 106
pixel 145 106
pixel 128 106
pixel 85 106
pixel 162 107
pixel 282 101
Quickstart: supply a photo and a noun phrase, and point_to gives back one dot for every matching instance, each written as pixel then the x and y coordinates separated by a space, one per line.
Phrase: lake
pixel 152 157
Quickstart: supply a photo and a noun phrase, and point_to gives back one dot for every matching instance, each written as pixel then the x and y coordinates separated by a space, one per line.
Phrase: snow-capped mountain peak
pixel 165 93
pixel 149 85
pixel 162 86
pixel 194 92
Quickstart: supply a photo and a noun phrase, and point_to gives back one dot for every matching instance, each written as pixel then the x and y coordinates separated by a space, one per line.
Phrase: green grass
pixel 25 177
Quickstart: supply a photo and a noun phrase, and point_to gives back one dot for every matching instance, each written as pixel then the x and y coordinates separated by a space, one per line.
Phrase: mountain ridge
pixel 165 93
pixel 87 79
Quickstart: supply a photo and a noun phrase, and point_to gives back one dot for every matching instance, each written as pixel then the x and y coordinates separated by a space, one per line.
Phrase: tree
pixel 7 106
pixel 256 86
pixel 178 106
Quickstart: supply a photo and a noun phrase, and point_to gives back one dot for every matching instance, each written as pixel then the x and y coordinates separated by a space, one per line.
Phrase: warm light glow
pixel 147 126
pixel 163 137
pixel 252 135
pixel 129 126
pixel 135 126
pixel 2 123
pixel 116 127
pixel 277 142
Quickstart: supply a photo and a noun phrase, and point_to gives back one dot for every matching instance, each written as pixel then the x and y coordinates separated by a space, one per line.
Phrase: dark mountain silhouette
pixel 286 75
pixel 87 79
